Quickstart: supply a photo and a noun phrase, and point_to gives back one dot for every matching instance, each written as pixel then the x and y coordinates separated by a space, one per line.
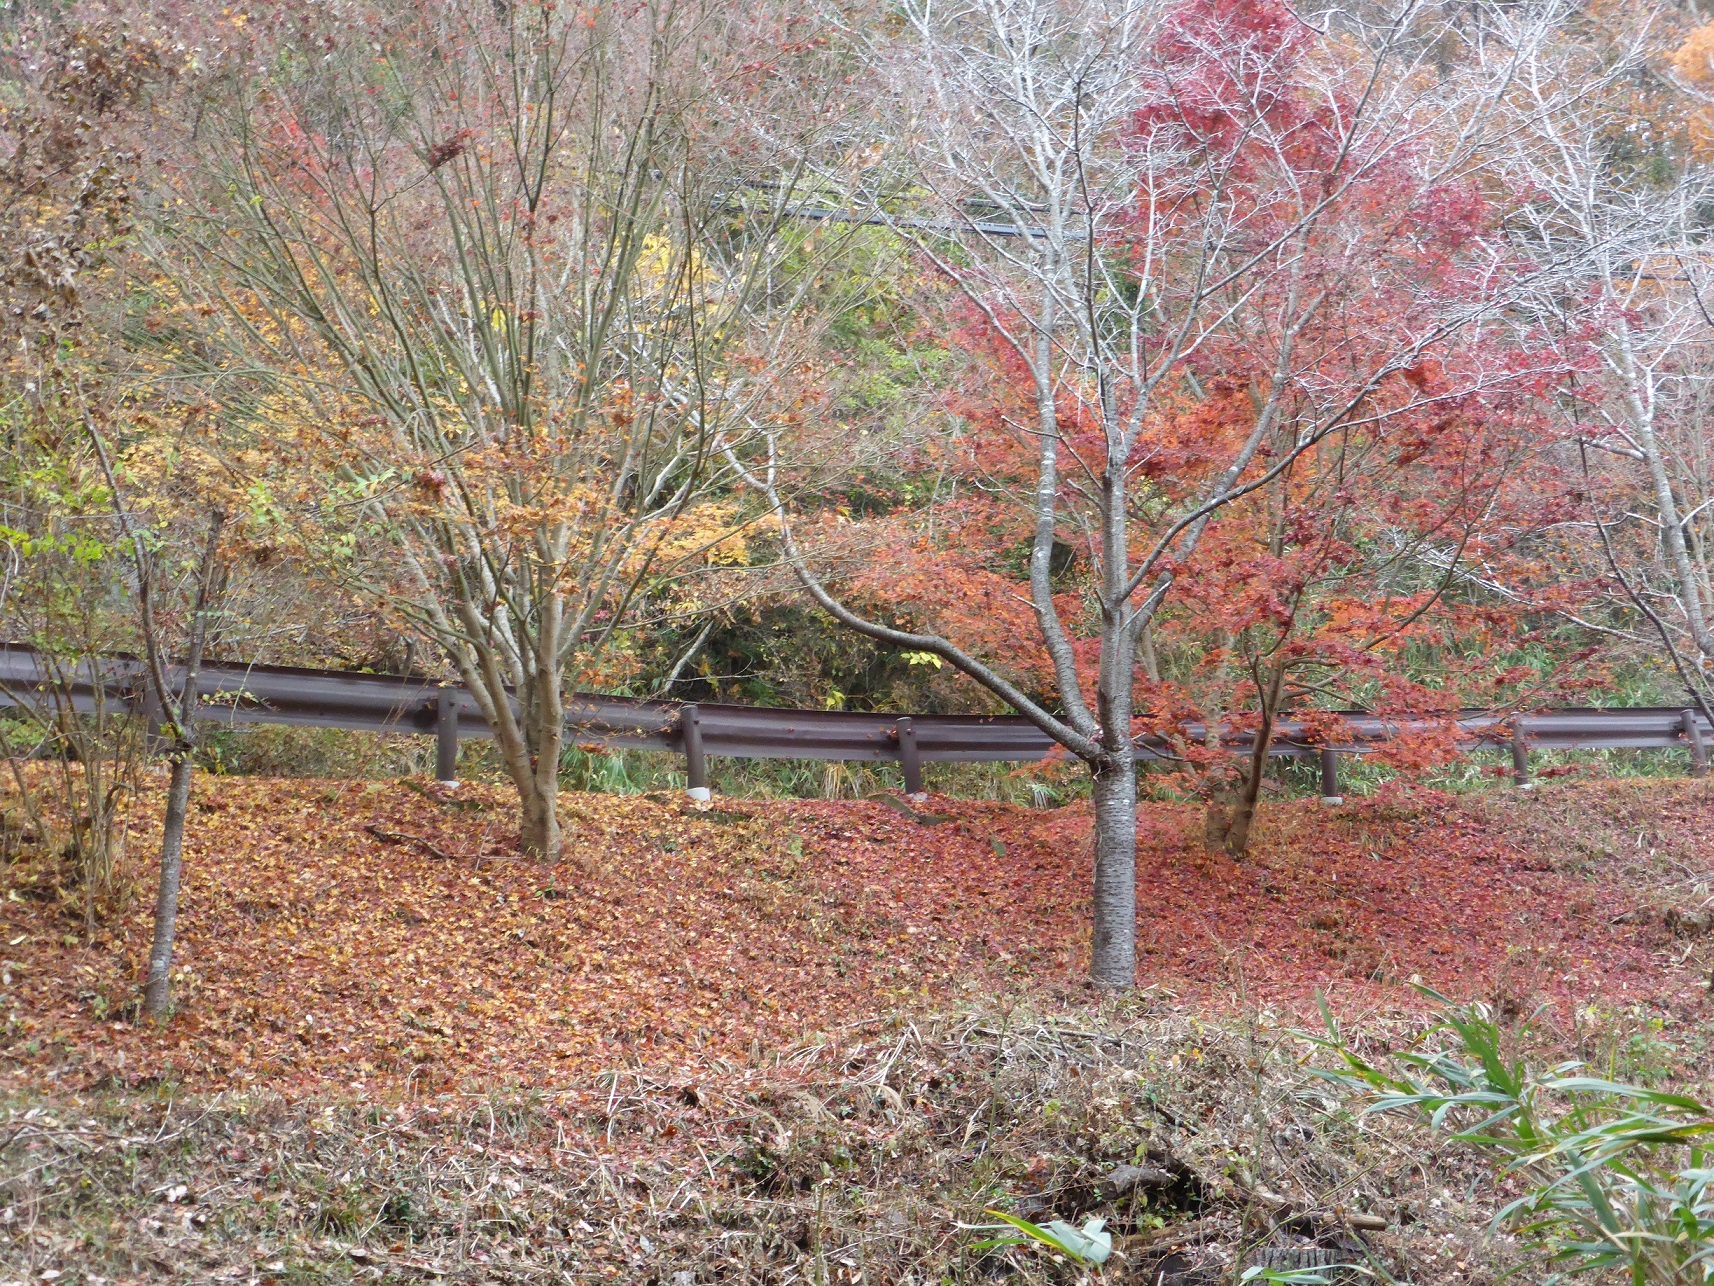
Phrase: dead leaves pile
pixel 351 937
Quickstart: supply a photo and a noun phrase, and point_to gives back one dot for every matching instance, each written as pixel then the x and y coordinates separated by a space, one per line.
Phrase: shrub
pixel 1618 1176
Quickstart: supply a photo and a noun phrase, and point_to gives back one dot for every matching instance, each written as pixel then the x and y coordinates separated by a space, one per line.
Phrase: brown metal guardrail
pixel 271 694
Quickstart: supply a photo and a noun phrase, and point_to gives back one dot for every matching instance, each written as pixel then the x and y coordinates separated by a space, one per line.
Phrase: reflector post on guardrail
pixel 1330 776
pixel 908 756
pixel 1698 751
pixel 446 737
pixel 695 762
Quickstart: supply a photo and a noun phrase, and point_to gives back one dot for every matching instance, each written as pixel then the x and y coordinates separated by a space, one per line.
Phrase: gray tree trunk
pixel 529 735
pixel 1113 950
pixel 538 787
pixel 538 828
pixel 157 991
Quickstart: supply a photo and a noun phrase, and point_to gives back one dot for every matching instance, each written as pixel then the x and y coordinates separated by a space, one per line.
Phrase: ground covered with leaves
pixel 801 1041
pixel 340 938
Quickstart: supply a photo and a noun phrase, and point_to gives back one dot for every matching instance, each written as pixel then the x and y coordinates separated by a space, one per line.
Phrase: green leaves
pixel 1619 1173
pixel 1300 1276
pixel 79 545
pixel 1086 1245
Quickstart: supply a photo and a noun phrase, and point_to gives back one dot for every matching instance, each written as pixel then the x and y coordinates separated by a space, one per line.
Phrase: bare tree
pixel 503 297
pixel 173 707
pixel 1611 216
pixel 1113 186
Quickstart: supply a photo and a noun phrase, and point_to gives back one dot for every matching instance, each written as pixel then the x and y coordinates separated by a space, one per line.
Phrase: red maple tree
pixel 1237 327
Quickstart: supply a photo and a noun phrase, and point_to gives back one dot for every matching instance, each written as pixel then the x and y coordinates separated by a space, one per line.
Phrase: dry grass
pixel 858 1160
pixel 1648 834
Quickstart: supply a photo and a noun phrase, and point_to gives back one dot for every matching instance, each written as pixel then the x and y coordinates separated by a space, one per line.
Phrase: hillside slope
pixel 357 936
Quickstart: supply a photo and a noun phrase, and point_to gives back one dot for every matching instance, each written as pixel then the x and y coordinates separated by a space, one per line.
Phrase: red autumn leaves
pixel 320 955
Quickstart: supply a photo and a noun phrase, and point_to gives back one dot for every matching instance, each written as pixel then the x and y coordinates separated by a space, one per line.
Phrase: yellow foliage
pixel 1694 65
pixel 708 533
pixel 657 262
pixel 1694 61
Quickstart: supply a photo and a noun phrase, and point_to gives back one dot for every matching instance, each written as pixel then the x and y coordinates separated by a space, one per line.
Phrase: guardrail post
pixel 446 737
pixel 1698 751
pixel 695 762
pixel 1330 776
pixel 1520 754
pixel 908 756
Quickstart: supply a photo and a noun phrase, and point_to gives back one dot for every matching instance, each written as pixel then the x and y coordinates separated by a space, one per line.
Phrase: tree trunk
pixel 1677 553
pixel 1151 664
pixel 538 827
pixel 210 585
pixel 544 721
pixel 1242 816
pixel 529 735
pixel 157 990
pixel 1232 817
pixel 1113 950
pixel 157 995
